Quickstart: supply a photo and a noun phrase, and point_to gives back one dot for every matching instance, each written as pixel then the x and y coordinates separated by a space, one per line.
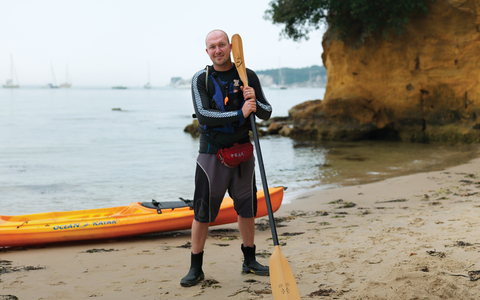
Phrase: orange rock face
pixel 421 86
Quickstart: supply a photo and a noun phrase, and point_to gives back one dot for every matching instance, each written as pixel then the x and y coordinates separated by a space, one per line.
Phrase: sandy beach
pixel 410 237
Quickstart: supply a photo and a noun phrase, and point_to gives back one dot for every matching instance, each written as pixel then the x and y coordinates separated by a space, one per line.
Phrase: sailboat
pixel 147 85
pixel 282 85
pixel 281 79
pixel 66 84
pixel 281 82
pixel 9 83
pixel 54 84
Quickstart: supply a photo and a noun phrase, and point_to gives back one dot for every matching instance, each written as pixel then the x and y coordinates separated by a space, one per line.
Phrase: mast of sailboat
pixel 9 83
pixel 53 75
pixel 13 70
pixel 11 67
pixel 16 75
pixel 66 84
pixel 149 72
pixel 148 85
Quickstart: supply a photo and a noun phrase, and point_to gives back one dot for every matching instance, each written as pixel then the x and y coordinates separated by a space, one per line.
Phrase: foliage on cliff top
pixel 344 17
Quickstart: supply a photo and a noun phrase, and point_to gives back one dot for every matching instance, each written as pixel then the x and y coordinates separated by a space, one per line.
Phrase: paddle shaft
pixel 282 280
pixel 237 49
pixel 264 180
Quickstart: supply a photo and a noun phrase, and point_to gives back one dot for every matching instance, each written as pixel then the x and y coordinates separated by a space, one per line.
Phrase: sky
pixel 110 43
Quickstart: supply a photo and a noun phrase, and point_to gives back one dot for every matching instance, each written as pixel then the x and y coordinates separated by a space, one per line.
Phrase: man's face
pixel 219 49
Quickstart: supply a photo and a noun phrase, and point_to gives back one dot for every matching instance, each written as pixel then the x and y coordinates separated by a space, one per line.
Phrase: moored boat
pixel 9 84
pixel 66 84
pixel 103 223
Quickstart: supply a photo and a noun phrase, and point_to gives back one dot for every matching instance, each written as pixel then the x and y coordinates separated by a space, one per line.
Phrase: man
pixel 222 105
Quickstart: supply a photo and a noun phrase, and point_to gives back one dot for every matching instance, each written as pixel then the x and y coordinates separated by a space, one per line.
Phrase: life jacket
pixel 224 93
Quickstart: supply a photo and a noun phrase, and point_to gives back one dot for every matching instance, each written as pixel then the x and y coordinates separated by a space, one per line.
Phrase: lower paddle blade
pixel 281 277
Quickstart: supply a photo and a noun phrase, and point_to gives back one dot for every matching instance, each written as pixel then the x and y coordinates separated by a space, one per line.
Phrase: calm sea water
pixel 70 149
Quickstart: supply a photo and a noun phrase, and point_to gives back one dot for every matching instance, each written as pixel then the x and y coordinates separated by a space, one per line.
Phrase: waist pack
pixel 235 155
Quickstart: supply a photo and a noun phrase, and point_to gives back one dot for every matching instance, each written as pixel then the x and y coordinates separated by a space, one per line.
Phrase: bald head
pixel 218 49
pixel 215 34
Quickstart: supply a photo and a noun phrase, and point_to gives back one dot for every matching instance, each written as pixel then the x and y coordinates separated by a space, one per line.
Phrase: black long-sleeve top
pixel 210 116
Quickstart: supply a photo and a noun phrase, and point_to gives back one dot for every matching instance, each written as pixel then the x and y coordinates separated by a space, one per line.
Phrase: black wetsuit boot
pixel 195 275
pixel 250 264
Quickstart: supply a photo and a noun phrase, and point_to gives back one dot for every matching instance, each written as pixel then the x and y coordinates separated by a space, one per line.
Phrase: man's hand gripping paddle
pixel 281 276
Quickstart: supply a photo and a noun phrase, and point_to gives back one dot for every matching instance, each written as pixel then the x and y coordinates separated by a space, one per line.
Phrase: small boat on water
pixel 54 84
pixel 103 223
pixel 148 85
pixel 119 87
pixel 66 84
pixel 9 83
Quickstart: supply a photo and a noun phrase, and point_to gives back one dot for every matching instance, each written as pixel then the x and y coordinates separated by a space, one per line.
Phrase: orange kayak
pixel 134 219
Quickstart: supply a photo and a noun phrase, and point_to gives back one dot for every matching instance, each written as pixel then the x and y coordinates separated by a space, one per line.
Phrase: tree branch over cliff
pixel 344 17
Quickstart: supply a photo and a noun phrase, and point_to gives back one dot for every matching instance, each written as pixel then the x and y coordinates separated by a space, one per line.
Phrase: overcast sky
pixel 108 43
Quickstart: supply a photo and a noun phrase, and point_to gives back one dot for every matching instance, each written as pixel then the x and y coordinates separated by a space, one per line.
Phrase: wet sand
pixel 409 237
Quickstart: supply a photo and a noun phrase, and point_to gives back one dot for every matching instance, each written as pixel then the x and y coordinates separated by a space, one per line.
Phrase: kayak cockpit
pixel 168 204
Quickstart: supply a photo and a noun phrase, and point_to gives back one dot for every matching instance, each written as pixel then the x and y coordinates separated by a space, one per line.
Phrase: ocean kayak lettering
pixel 69 226
pixel 77 225
pixel 104 223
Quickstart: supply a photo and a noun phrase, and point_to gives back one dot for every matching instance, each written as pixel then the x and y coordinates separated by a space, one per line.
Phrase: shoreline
pixel 407 237
pixel 447 161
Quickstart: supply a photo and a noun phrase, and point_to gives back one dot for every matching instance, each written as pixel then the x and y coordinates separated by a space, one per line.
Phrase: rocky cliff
pixel 422 85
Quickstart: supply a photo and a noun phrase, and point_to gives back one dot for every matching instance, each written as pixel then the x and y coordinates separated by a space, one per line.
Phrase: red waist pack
pixel 235 155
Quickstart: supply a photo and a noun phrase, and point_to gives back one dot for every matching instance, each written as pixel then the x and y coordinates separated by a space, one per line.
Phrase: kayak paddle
pixel 281 276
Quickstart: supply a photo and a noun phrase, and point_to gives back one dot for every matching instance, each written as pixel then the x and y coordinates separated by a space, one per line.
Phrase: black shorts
pixel 213 180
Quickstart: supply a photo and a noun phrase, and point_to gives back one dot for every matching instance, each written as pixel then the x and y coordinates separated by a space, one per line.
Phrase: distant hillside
pixel 314 76
pixel 310 76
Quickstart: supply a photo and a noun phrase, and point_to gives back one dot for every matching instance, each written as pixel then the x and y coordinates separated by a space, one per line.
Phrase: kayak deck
pixel 120 221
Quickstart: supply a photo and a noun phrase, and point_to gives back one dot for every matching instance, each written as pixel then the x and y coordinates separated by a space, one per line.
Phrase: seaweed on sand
pixel 322 292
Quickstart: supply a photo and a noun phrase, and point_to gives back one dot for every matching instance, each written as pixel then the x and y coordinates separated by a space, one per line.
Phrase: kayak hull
pixel 114 222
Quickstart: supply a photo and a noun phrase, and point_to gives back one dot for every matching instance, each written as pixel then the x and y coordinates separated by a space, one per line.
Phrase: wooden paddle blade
pixel 281 277
pixel 237 50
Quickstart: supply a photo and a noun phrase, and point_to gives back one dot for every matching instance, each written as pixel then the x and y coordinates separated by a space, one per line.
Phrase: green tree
pixel 344 17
